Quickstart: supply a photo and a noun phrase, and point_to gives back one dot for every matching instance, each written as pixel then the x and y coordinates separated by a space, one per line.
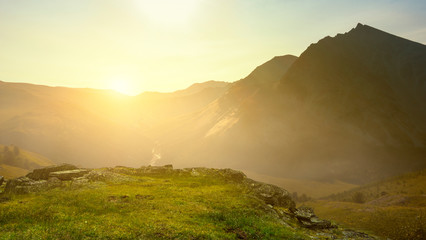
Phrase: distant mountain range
pixel 350 108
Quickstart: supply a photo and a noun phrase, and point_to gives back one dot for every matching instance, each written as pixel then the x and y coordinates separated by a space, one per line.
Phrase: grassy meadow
pixel 168 207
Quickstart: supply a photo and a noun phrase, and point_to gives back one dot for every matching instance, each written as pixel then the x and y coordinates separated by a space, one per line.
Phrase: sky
pixel 134 46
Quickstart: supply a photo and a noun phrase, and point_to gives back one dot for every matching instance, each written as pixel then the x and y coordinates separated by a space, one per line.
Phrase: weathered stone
pixel 69 175
pixel 358 235
pixel 271 194
pixel 24 185
pixel 194 173
pixel 308 219
pixel 233 175
pixel 107 176
pixel 156 169
pixel 43 173
pixel 54 182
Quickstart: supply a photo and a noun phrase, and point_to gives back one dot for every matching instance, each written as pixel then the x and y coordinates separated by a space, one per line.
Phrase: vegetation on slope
pixel 409 184
pixel 394 208
pixel 394 222
pixel 15 162
pixel 194 204
pixel 154 208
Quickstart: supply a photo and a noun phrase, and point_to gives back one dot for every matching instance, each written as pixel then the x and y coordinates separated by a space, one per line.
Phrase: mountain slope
pixel 92 127
pixel 15 162
pixel 202 138
pixel 83 126
pixel 367 87
pixel 349 108
pixel 392 208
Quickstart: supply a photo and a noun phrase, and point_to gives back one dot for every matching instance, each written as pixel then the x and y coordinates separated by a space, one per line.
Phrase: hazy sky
pixel 165 45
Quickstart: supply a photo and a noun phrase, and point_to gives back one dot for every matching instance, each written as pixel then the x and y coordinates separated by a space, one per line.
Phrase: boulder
pixel 308 219
pixel 271 194
pixel 354 234
pixel 156 169
pixel 1 180
pixel 24 185
pixel 69 174
pixel 233 175
pixel 107 176
pixel 43 173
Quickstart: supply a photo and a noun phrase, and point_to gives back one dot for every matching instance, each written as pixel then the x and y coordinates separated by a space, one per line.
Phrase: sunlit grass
pixel 148 208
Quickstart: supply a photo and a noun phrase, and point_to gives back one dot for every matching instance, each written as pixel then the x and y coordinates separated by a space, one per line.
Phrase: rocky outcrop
pixel 43 179
pixel 156 169
pixel 226 173
pixel 43 173
pixel 271 194
pixel 106 176
pixel 24 185
pixel 308 219
pixel 69 175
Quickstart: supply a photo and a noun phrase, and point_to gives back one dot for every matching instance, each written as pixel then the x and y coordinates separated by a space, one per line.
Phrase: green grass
pixel 178 207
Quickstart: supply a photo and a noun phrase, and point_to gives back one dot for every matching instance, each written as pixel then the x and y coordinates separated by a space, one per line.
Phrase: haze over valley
pixel 100 140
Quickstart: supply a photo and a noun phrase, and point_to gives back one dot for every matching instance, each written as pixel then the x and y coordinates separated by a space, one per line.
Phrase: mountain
pixel 349 108
pixel 363 93
pixel 15 162
pixel 157 107
pixel 203 138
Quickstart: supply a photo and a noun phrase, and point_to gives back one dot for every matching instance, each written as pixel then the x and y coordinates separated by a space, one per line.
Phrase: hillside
pixel 407 188
pixel 70 125
pixel 154 203
pixel 394 208
pixel 349 109
pixel 16 162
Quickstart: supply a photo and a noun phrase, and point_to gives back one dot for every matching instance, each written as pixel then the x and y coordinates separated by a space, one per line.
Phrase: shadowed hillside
pixel 349 108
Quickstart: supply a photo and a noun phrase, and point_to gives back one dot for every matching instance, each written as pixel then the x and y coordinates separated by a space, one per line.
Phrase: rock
pixel 54 182
pixel 24 185
pixel 308 219
pixel 353 234
pixel 69 174
pixel 156 169
pixel 43 173
pixel 107 176
pixel 271 194
pixel 1 180
pixel 233 175
pixel 195 173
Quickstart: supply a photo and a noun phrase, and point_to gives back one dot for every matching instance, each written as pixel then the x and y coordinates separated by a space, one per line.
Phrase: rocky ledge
pixel 276 200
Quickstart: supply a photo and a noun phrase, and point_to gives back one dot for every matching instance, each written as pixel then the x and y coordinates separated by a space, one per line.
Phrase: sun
pixel 122 85
pixel 169 12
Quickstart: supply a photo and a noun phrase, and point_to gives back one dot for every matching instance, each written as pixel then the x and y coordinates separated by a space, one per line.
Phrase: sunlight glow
pixel 122 85
pixel 169 12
